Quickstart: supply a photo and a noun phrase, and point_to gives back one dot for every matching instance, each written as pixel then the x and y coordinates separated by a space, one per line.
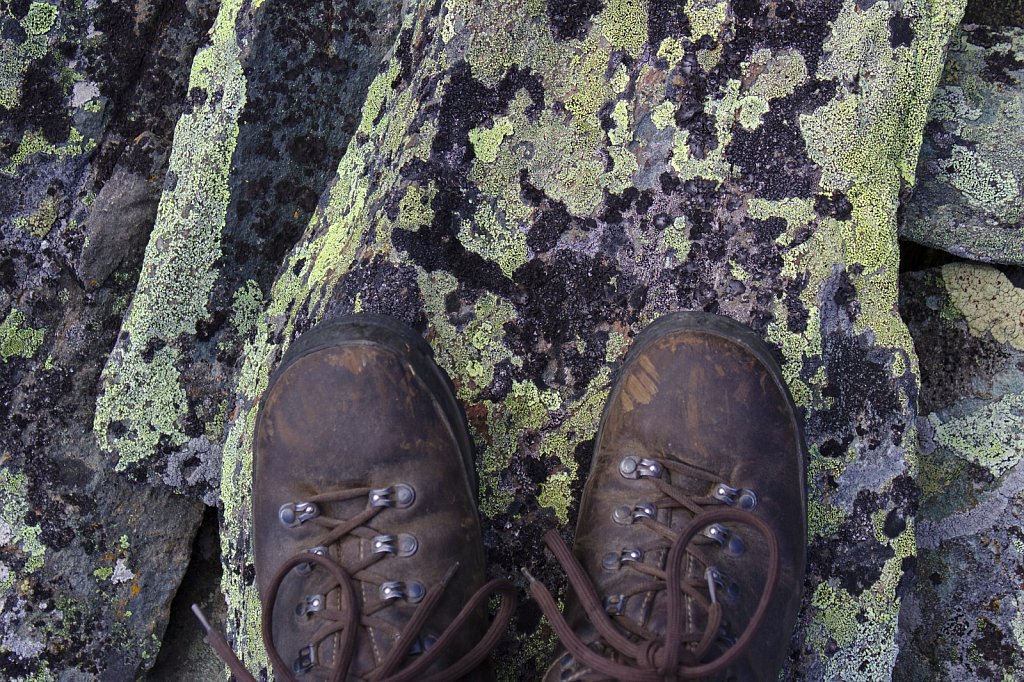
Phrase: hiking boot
pixel 690 545
pixel 368 553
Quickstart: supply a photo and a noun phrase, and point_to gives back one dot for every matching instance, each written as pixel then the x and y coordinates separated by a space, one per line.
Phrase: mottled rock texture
pixel 94 544
pixel 89 559
pixel 970 196
pixel 965 617
pixel 529 185
pixel 267 121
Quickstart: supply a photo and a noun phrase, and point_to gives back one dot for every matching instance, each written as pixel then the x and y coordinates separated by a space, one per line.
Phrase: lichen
pixel 141 405
pixel 180 266
pixel 16 339
pixel 486 140
pixel 247 307
pixel 619 21
pixel 34 142
pixel 39 19
pixel 987 300
pixel 39 222
pixel 989 436
pixel 19 539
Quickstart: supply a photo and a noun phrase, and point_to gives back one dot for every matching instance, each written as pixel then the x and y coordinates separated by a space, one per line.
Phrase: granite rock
pixel 532 183
pixel 965 617
pixel 970 194
pixel 89 558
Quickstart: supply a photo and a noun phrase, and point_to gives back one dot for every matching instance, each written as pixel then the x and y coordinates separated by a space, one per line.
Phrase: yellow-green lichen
pixel 751 109
pixel 17 538
pixel 16 339
pixel 39 19
pixel 145 400
pixel 676 238
pixel 33 142
pixel 707 17
pixel 663 115
pixel 144 395
pixel 774 74
pixel 486 236
pixel 624 24
pixel 39 222
pixel 556 493
pixel 246 308
pixel 620 79
pixel 987 300
pixel 486 140
pixel 989 436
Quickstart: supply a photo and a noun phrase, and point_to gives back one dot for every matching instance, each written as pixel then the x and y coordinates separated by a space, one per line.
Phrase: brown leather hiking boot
pixel 368 552
pixel 690 546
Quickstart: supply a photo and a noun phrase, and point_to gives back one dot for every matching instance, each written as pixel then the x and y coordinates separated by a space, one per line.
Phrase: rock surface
pixel 532 183
pixel 970 196
pixel 529 184
pixel 89 558
pixel 965 618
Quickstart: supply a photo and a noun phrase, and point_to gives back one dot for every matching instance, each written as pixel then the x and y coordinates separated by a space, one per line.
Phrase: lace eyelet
pixel 312 604
pixel 399 496
pixel 639 467
pixel 615 604
pixel 402 544
pixel 412 591
pixel 305 661
pixel 614 560
pixel 742 498
pixel 294 514
pixel 307 568
pixel 625 516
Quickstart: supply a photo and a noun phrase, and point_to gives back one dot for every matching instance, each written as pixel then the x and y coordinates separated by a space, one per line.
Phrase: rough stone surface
pixel 529 185
pixel 268 118
pixel 1001 13
pixel 89 559
pixel 970 196
pixel 965 617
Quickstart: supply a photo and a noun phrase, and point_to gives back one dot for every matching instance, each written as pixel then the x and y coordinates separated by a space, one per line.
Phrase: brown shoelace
pixel 661 658
pixel 350 617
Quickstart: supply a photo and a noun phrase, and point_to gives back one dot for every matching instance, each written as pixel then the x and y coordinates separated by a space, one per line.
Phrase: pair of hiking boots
pixel 689 554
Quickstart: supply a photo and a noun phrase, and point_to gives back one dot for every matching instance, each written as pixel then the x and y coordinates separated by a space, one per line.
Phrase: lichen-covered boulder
pixel 970 194
pixel 965 618
pixel 272 103
pixel 89 559
pixel 533 182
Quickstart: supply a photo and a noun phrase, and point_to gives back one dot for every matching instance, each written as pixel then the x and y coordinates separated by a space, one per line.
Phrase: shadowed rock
pixel 970 196
pixel 964 617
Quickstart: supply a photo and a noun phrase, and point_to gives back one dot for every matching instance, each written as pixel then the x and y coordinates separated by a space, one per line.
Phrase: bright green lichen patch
pixel 996 191
pixel 987 300
pixel 556 493
pixel 247 307
pixel 486 140
pixel 775 74
pixel 990 436
pixel 39 19
pixel 707 17
pixel 39 222
pixel 17 538
pixel 179 269
pixel 17 340
pixel 145 400
pixel 485 235
pixel 34 142
pixel 620 23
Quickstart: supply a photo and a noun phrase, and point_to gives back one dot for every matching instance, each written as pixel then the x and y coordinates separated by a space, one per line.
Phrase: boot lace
pixel 637 654
pixel 347 620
